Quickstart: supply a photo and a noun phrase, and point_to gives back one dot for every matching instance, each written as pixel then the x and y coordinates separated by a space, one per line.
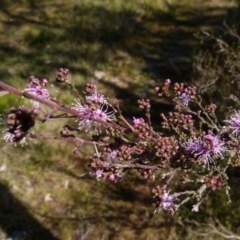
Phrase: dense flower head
pixel 106 163
pixel 62 75
pixel 177 120
pixel 108 174
pixel 144 104
pixel 211 108
pixel 206 148
pixel 95 109
pixel 147 173
pixel 142 128
pixel 166 148
pixel 163 200
pixel 213 182
pixel 103 114
pixel 92 113
pixel 104 171
pixel 185 98
pixel 164 90
pixel 216 145
pixel 96 98
pixel 124 153
pixel 137 121
pixel 10 137
pixel 90 89
pixel 111 155
pixel 184 94
pixel 234 123
pixel 18 122
pixel 36 87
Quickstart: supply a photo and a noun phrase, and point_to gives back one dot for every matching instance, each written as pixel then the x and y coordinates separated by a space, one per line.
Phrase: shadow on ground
pixel 15 219
pixel 46 35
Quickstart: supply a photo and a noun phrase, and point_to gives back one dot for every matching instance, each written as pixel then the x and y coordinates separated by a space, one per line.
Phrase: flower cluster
pixel 106 165
pixel 163 200
pixel 18 122
pixel 211 108
pixel 176 120
pixel 184 94
pixel 142 129
pixel 213 182
pixel 206 149
pixel 93 113
pixel 234 123
pixel 144 104
pixel 62 75
pixel 37 88
pixel 164 90
pixel 166 148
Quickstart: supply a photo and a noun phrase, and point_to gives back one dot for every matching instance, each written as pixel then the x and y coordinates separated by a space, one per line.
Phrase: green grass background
pixel 126 48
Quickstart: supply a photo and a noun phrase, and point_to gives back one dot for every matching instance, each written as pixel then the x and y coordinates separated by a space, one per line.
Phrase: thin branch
pixel 66 139
pixel 55 106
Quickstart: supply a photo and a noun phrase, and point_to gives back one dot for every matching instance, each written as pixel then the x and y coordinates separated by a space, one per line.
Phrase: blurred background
pixel 127 48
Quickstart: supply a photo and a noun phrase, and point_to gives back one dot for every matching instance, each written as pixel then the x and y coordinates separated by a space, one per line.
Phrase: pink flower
pixel 10 137
pixel 91 114
pixel 211 146
pixel 164 200
pixel 112 177
pixel 103 115
pixel 35 87
pixel 136 121
pixel 217 146
pixel 194 145
pixel 99 173
pixel 185 99
pixel 234 122
pixel 167 200
pixel 96 98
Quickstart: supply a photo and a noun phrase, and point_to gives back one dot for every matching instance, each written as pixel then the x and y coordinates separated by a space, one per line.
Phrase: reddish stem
pixel 66 139
pixel 54 105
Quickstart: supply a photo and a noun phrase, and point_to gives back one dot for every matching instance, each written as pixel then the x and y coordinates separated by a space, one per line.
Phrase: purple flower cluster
pixel 107 163
pixel 18 122
pixel 107 173
pixel 185 98
pixel 96 107
pixel 167 200
pixel 36 87
pixel 142 128
pixel 234 123
pixel 163 200
pixel 102 162
pixel 206 149
pixel 62 75
pixel 184 94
